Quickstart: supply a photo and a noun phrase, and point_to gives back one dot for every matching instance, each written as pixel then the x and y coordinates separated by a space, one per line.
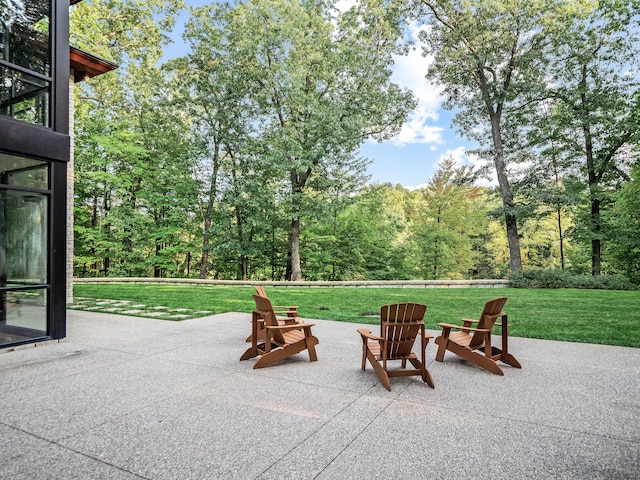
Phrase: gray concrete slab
pixel 125 397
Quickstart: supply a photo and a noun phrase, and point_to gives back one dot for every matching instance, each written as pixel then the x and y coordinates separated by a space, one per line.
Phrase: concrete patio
pixel 130 398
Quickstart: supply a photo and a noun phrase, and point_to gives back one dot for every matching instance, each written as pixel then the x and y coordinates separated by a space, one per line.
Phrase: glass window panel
pixel 23 315
pixel 23 238
pixel 25 34
pixel 24 97
pixel 23 172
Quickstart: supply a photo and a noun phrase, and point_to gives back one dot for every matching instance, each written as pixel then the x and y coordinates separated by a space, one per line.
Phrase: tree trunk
pixel 157 270
pixel 243 267
pixel 298 182
pixel 561 236
pixel 294 239
pixel 94 224
pixel 242 258
pixel 596 262
pixel 205 251
pixel 593 180
pixel 106 206
pixel 515 259
pixel 208 212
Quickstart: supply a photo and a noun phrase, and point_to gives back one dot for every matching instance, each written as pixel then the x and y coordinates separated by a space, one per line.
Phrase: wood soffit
pixel 86 66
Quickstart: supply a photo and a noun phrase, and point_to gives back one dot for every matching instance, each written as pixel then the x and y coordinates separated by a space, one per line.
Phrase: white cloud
pixel 462 157
pixel 344 5
pixel 409 71
pixel 459 154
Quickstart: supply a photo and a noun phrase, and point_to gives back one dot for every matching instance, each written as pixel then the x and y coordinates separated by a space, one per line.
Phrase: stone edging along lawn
pixel 496 283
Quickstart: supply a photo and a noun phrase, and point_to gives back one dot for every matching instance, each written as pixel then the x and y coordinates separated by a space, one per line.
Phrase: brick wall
pixel 70 176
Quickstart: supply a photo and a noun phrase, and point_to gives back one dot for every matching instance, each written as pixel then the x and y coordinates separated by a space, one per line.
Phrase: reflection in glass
pixel 23 315
pixel 23 238
pixel 24 34
pixel 24 97
pixel 23 172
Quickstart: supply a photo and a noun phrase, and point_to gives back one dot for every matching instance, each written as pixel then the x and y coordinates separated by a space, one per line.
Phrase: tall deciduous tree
pixel 321 81
pixel 594 82
pixel 485 54
pixel 214 96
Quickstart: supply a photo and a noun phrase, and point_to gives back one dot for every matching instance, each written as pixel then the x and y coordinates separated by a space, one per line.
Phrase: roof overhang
pixel 86 66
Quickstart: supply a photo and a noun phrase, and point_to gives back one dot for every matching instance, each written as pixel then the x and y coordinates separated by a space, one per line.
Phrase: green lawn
pixel 609 317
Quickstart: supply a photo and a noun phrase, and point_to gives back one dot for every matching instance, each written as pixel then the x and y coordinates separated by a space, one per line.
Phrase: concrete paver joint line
pixel 359 434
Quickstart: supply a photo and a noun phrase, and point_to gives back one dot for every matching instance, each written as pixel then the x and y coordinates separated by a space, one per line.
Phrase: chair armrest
pixel 449 325
pixel 466 329
pixel 503 317
pixel 285 328
pixel 367 334
pixel 467 322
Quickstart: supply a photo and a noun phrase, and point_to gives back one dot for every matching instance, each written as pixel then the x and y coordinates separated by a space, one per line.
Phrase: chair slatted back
pixel 400 324
pixel 492 310
pixel 265 311
pixel 260 291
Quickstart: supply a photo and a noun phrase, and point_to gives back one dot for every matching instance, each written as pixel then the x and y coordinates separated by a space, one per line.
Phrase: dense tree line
pixel 240 159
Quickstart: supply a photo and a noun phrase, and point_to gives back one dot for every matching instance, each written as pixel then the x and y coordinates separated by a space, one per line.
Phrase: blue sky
pixel 411 157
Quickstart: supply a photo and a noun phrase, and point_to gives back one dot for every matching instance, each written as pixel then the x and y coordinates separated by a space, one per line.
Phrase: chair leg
pixel 426 376
pixel 477 358
pixel 382 374
pixel 511 360
pixel 487 363
pixel 249 353
pixel 424 373
pixel 442 347
pixel 311 342
pixel 506 358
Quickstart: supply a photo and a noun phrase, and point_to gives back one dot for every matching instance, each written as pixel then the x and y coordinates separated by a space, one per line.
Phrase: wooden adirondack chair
pixel 474 343
pixel 291 313
pixel 279 341
pixel 400 325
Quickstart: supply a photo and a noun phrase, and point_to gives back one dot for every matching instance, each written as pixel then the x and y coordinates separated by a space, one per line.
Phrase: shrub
pixel 546 278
